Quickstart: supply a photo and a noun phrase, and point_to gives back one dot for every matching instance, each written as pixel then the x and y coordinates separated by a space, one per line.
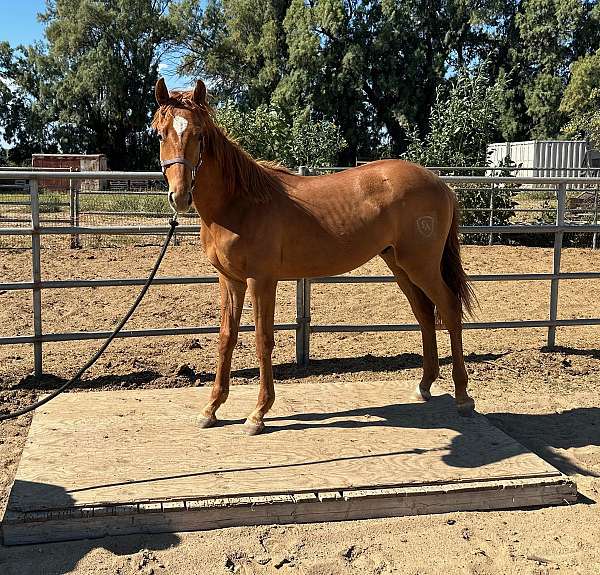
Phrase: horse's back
pixel 385 193
pixel 391 179
pixel 334 223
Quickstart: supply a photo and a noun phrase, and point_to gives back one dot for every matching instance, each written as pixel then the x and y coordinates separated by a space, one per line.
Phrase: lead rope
pixel 5 416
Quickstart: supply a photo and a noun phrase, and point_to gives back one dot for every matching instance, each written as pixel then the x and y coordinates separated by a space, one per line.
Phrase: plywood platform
pixel 134 461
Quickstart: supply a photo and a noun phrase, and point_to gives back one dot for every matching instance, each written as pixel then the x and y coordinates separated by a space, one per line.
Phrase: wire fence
pixel 65 202
pixel 39 223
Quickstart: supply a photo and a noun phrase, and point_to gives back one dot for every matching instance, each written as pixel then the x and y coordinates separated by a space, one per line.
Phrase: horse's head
pixel 180 123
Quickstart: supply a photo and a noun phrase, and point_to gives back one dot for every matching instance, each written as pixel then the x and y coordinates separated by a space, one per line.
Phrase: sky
pixel 19 25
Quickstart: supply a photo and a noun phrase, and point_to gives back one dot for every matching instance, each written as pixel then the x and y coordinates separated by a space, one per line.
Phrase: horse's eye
pixel 160 136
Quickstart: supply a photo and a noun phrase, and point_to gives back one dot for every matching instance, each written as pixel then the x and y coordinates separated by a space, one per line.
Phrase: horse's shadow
pixel 367 362
pixel 543 434
pixel 546 434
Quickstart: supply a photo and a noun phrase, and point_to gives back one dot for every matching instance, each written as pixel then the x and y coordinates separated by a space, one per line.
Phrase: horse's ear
pixel 161 92
pixel 200 93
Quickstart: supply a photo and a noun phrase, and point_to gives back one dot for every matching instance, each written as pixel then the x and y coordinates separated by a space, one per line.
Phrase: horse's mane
pixel 256 181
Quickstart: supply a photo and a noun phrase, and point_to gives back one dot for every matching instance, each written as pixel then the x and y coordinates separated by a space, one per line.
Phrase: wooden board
pixel 134 461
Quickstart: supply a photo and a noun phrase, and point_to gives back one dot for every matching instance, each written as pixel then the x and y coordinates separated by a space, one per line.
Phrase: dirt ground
pixel 549 401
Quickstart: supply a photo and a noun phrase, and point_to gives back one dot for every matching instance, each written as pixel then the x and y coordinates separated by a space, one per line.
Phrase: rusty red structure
pixel 72 163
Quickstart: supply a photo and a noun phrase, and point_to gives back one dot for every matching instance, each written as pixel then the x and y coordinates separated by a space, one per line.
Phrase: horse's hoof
pixel 466 408
pixel 421 394
pixel 206 422
pixel 252 428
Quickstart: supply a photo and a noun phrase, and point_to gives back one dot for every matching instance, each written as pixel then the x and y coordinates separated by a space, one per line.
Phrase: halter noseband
pixel 164 164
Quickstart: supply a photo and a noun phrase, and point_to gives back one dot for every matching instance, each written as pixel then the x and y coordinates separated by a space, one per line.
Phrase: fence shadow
pixel 367 362
pixel 49 382
pixel 281 372
pixel 593 353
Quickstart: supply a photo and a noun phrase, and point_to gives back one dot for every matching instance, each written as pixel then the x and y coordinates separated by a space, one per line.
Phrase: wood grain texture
pixel 98 457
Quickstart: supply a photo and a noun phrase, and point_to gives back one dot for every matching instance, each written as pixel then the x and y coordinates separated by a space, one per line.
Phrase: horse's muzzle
pixel 180 204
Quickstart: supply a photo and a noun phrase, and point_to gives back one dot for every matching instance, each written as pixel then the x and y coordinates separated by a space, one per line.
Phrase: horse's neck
pixel 214 202
pixel 220 197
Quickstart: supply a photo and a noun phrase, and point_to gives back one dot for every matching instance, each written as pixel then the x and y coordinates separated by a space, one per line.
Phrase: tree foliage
pixel 367 66
pixel 269 135
pixel 538 42
pixel 463 119
pixel 90 88
pixel 373 68
pixel 581 101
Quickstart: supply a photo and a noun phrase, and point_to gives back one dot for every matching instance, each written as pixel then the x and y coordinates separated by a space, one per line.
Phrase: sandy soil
pixel 548 401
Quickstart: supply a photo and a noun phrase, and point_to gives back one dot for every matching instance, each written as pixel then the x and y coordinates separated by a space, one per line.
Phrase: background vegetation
pixel 309 81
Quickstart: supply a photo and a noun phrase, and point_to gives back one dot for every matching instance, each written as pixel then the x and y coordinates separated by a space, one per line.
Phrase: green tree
pixel 238 46
pixel 547 29
pixel 462 122
pixel 537 41
pixel 25 122
pixel 371 67
pixel 368 66
pixel 268 134
pixel 581 101
pixel 90 88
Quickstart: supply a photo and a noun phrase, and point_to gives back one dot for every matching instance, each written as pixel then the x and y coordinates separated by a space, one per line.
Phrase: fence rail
pixel 89 205
pixel 303 325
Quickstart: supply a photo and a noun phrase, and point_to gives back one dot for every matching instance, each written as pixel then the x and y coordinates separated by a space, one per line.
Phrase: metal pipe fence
pixel 67 201
pixel 89 206
pixel 303 325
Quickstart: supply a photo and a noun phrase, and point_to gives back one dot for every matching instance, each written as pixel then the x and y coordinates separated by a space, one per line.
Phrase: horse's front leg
pixel 263 297
pixel 232 301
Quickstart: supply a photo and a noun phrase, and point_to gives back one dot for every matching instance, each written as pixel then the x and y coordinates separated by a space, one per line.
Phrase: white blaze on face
pixel 179 125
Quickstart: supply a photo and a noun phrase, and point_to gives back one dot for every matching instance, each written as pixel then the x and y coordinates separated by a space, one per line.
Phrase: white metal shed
pixel 546 157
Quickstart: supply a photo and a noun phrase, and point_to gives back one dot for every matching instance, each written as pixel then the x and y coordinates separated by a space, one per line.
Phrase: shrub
pixel 268 134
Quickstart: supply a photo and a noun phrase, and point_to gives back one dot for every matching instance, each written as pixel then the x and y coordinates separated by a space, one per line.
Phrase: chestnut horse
pixel 261 223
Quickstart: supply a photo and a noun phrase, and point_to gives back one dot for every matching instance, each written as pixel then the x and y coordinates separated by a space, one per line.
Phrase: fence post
pixel 558 239
pixel 36 276
pixel 491 238
pixel 302 321
pixel 302 310
pixel 77 189
pixel 73 211
pixel 595 236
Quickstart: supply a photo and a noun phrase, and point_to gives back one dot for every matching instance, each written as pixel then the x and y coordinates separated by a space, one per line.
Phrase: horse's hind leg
pixel 426 274
pixel 232 301
pixel 423 309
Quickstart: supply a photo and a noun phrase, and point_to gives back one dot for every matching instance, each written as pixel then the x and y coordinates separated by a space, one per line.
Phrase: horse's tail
pixel 452 270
